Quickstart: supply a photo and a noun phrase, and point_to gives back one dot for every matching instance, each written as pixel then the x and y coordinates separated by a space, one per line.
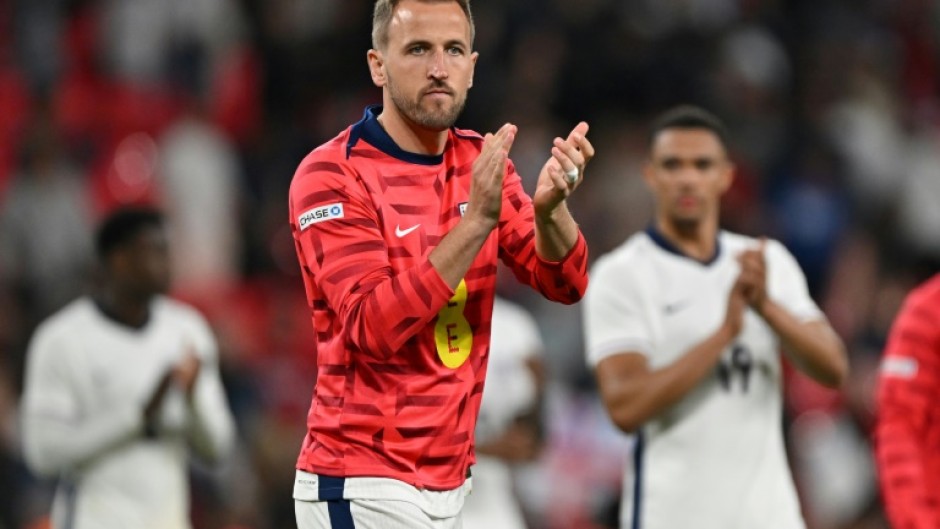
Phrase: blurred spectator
pixel 45 226
pixel 509 427
pixel 199 183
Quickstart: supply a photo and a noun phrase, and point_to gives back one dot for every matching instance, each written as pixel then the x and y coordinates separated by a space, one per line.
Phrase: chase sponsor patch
pixel 462 207
pixel 319 214
pixel 899 366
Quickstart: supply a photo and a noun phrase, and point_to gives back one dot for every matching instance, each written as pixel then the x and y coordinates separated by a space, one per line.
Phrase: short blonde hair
pixel 382 17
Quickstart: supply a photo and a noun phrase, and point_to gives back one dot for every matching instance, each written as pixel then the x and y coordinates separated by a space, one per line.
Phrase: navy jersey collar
pixel 369 129
pixel 660 240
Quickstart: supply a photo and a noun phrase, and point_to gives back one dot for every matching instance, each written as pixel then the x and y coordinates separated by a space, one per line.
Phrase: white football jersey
pixel 715 459
pixel 88 379
pixel 510 391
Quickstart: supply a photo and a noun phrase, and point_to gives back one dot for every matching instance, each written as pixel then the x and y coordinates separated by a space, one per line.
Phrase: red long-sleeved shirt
pixel 907 433
pixel 402 357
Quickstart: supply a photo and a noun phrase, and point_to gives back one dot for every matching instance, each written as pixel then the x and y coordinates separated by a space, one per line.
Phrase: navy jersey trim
pixel 637 481
pixel 369 129
pixel 666 245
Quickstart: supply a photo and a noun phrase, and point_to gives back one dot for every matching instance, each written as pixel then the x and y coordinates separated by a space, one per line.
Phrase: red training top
pixel 401 357
pixel 907 434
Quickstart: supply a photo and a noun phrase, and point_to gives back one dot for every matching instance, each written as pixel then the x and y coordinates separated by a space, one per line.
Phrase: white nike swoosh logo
pixel 401 233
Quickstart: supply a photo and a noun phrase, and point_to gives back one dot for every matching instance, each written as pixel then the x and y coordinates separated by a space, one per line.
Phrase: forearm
pixel 211 429
pixel 563 281
pixel 555 234
pixel 382 312
pixel 53 444
pixel 636 400
pixel 814 346
pixel 458 249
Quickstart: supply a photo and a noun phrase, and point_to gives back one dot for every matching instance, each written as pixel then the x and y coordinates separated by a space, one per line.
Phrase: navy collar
pixel 369 129
pixel 660 240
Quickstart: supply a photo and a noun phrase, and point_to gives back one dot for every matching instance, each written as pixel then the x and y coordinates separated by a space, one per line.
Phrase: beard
pixel 433 116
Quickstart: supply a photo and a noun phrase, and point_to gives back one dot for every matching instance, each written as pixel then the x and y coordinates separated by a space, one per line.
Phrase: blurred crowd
pixel 205 107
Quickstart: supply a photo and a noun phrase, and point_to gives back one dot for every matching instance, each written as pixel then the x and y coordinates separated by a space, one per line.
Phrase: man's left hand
pixel 568 155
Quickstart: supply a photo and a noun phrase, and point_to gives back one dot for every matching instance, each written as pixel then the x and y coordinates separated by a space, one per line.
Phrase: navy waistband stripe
pixel 331 488
pixel 340 514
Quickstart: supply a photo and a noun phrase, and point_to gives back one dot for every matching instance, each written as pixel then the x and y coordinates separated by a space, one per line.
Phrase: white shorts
pixel 323 502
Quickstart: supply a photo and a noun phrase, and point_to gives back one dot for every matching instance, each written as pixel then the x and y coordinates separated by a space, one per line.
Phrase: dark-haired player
pixel 120 387
pixel 684 324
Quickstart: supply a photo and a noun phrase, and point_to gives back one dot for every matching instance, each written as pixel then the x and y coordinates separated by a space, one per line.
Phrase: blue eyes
pixel 421 50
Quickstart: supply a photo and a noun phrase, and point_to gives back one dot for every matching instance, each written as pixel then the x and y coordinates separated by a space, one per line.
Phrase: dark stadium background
pixel 205 107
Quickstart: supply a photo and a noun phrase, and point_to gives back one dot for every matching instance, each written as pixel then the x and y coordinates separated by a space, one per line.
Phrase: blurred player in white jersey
pixel 684 324
pixel 509 425
pixel 120 386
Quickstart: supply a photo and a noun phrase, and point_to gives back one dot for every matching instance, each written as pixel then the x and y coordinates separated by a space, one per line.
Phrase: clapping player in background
pixel 120 387
pixel 684 323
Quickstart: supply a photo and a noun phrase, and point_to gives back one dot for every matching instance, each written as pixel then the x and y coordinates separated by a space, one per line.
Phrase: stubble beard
pixel 439 117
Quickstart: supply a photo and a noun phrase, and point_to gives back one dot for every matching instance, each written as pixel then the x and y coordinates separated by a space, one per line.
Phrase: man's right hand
pixel 486 188
pixel 457 250
pixel 186 371
pixel 183 375
pixel 155 404
pixel 737 302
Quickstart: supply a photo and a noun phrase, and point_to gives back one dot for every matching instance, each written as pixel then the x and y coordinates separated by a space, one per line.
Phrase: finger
pixel 495 140
pixel 581 129
pixel 504 132
pixel 510 138
pixel 496 166
pixel 559 180
pixel 578 137
pixel 571 151
pixel 585 146
pixel 747 259
pixel 492 144
pixel 489 147
pixel 563 163
pixel 570 170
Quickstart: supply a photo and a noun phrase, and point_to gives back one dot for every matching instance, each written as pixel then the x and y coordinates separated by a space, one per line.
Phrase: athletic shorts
pixel 326 502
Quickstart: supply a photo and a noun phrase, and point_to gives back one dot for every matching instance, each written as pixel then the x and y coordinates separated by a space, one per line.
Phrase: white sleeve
pixel 57 433
pixel 614 319
pixel 211 428
pixel 786 283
